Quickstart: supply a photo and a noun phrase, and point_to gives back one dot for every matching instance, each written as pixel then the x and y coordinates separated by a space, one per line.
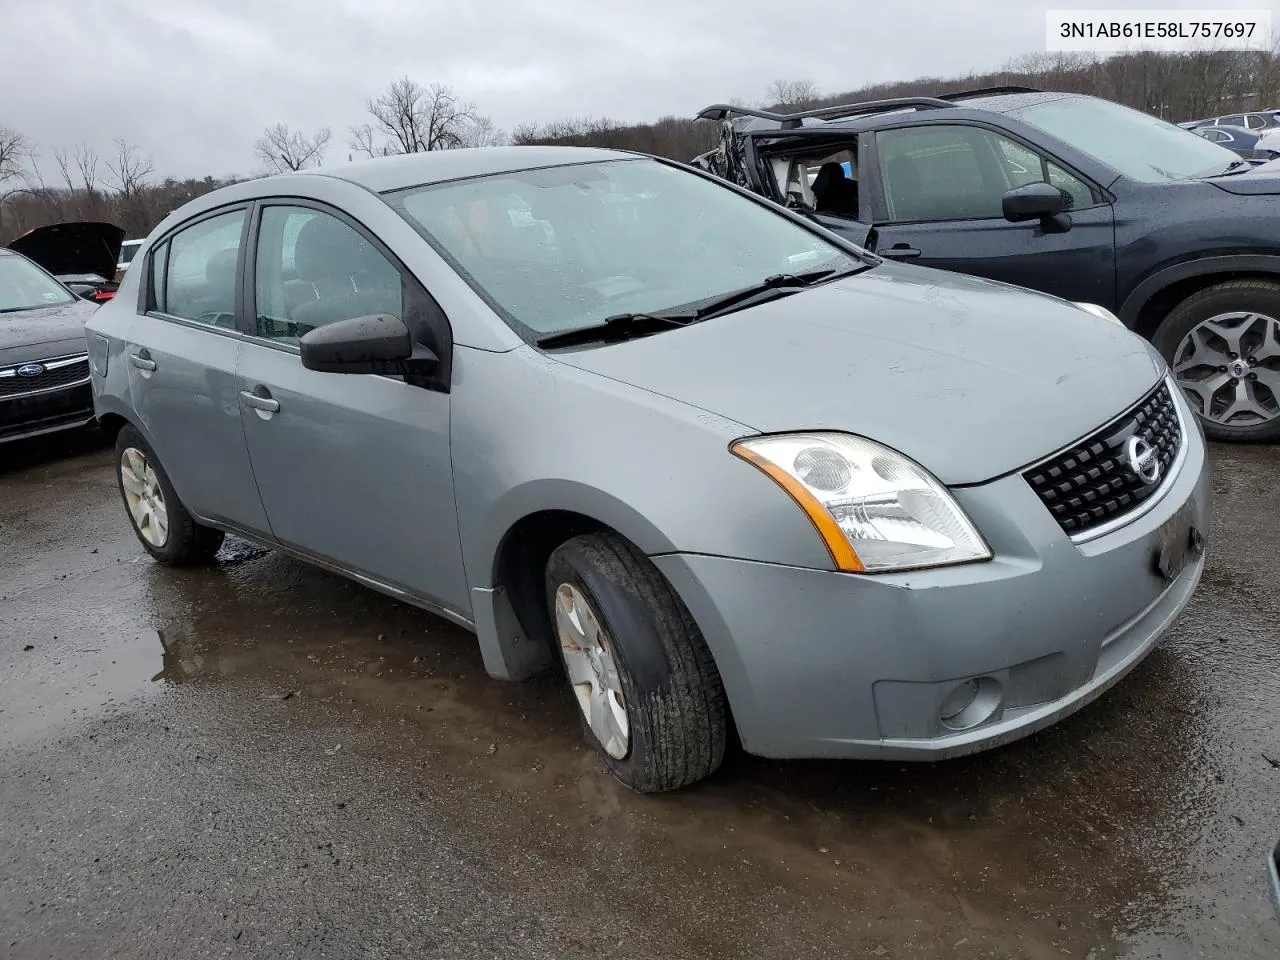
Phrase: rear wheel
pixel 651 699
pixel 162 524
pixel 1223 344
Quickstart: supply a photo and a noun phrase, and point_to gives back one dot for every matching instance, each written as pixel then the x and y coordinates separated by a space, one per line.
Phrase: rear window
pixel 24 286
pixel 128 250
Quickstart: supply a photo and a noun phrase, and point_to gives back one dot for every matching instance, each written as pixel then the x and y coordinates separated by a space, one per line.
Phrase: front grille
pixel 1093 482
pixel 58 373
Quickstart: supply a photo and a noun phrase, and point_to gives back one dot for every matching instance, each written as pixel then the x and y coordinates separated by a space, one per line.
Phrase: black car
pixel 44 366
pixel 1064 193
pixel 81 254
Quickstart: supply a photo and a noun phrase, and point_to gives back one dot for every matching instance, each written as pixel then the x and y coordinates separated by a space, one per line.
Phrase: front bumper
pixel 822 664
pixel 63 401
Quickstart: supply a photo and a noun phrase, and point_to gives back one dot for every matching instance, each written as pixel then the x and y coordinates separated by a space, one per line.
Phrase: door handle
pixel 258 402
pixel 142 362
pixel 899 251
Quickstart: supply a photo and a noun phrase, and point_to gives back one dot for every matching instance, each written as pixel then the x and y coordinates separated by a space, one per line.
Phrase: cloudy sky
pixel 193 82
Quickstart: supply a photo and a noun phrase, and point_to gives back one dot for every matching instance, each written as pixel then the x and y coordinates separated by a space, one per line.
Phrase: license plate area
pixel 1176 544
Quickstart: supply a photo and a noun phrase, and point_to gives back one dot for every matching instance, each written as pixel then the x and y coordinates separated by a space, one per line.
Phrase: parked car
pixel 81 254
pixel 725 466
pixel 1248 144
pixel 44 367
pixel 1068 194
pixel 1257 120
pixel 127 249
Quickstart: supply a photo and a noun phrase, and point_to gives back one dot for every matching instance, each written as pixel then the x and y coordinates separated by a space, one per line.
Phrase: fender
pixel 507 651
pixel 1148 288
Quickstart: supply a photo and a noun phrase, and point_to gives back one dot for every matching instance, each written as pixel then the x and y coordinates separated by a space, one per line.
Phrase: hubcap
pixel 588 658
pixel 143 496
pixel 1229 368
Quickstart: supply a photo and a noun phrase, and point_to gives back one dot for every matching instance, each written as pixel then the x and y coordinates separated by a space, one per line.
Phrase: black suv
pixel 1068 194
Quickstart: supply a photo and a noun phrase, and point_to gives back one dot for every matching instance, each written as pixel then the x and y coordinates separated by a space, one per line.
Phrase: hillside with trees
pixel 74 182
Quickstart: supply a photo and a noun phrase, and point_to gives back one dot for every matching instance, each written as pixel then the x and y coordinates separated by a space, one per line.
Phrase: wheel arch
pixel 1146 307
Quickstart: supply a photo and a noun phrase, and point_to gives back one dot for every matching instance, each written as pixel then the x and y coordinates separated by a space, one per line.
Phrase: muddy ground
pixel 265 760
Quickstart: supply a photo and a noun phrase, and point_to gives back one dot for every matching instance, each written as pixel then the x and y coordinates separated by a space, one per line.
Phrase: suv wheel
pixel 650 696
pixel 1223 344
pixel 164 527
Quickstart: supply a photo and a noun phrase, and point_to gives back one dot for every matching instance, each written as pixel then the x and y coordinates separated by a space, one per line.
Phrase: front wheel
pixel 651 699
pixel 1223 345
pixel 162 524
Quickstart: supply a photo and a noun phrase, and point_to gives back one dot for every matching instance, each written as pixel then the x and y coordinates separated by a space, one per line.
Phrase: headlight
pixel 876 510
pixel 1098 311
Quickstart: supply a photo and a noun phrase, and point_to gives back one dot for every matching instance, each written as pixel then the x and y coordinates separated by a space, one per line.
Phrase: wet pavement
pixel 264 760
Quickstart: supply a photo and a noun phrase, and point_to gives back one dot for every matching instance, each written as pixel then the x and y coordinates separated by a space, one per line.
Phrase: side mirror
pixel 1034 201
pixel 378 343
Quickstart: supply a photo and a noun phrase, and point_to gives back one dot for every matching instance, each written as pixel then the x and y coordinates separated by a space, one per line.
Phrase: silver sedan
pixel 730 471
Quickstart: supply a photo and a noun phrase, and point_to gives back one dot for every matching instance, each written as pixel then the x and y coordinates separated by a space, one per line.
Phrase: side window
pixel 200 271
pixel 944 172
pixel 313 269
pixel 1254 121
pixel 159 264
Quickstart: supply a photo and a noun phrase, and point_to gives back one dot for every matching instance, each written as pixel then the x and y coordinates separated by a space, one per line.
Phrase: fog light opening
pixel 970 703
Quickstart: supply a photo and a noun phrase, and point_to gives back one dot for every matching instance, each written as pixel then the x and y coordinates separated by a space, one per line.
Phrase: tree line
pixel 78 183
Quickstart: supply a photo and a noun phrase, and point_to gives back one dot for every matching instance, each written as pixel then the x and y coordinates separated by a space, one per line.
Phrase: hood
pixel 44 332
pixel 971 378
pixel 1262 180
pixel 80 247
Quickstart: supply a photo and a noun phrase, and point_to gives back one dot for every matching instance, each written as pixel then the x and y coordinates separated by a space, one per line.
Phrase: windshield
pixel 23 286
pixel 565 247
pixel 1138 145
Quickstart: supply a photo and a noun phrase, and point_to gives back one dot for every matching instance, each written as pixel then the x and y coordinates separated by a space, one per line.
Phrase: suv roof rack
pixel 719 111
pixel 986 92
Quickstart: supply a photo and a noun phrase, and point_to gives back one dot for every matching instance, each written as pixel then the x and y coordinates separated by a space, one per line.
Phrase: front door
pixel 182 352
pixel 937 198
pixel 353 469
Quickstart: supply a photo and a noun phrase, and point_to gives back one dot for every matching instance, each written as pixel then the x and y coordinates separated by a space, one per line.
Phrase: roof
pixel 869 115
pixel 382 174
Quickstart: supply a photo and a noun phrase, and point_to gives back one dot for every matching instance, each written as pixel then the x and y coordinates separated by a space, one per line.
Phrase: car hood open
pixel 79 247
pixel 971 378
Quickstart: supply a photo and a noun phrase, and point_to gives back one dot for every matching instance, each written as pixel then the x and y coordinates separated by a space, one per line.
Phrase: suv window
pixel 314 269
pixel 200 282
pixel 949 172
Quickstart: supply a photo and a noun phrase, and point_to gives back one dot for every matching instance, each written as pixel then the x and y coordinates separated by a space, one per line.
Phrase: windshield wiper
pixel 625 326
pixel 622 326
pixel 784 283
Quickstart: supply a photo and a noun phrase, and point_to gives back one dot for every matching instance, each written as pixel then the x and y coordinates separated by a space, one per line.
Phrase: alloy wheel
pixel 593 672
pixel 1229 368
pixel 144 496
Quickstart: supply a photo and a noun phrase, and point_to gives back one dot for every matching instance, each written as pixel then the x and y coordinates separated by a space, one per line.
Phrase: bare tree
pixel 130 173
pixel 15 151
pixel 283 149
pixel 792 94
pixel 411 118
pixel 86 159
pixel 482 132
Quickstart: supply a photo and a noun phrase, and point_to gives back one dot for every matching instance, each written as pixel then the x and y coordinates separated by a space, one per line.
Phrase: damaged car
pixel 728 473
pixel 1063 193
pixel 80 254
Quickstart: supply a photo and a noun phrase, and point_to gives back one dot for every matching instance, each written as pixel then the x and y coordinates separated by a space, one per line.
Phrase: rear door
pixel 354 470
pixel 936 196
pixel 182 352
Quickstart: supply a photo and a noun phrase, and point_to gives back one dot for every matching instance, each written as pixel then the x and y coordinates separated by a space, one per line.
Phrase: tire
pixel 179 541
pixel 671 693
pixel 1232 297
